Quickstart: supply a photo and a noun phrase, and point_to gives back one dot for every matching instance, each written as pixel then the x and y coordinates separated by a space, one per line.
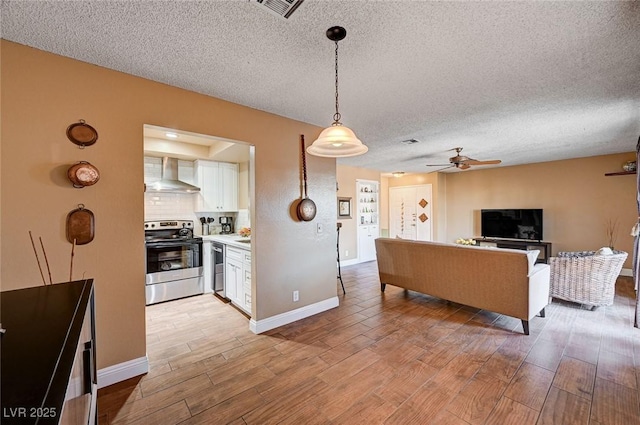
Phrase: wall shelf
pixel 621 173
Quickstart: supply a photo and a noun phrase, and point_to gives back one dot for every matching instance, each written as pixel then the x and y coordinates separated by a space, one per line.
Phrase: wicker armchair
pixel 586 278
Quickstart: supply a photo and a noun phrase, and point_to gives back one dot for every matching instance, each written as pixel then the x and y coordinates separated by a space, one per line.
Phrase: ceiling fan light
pixel 397 173
pixel 337 141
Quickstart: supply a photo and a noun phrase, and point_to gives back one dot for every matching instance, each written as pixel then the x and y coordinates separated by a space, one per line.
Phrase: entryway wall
pixel 346 177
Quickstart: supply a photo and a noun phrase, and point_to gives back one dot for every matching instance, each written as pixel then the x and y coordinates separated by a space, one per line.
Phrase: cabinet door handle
pixel 87 366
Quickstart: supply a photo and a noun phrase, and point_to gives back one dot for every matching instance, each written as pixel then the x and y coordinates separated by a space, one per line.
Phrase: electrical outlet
pixel 319 228
pixel 296 296
pixel 346 252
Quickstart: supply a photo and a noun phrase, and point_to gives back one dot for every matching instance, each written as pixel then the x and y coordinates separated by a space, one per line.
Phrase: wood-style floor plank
pixel 616 367
pixel 614 404
pixel 395 358
pixel 477 400
pixel 576 377
pixel 406 380
pixel 508 412
pixel 530 385
pixel 564 408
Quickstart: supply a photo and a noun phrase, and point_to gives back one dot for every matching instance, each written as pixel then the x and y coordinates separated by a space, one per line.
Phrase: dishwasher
pixel 217 272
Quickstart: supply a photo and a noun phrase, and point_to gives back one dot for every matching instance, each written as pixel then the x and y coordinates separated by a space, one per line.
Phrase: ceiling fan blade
pixel 438 165
pixel 476 162
pixel 435 171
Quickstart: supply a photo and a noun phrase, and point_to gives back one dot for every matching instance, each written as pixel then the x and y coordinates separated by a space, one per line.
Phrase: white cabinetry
pixel 218 183
pixel 368 202
pixel 366 242
pixel 238 277
pixel 246 280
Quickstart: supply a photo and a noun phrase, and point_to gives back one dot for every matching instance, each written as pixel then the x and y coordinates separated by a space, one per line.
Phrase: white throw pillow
pixel 604 251
pixel 532 257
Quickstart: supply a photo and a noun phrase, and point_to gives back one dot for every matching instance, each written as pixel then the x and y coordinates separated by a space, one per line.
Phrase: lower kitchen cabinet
pixel 238 263
pixel 246 281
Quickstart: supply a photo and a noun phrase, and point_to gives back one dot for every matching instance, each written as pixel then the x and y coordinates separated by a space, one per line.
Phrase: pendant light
pixel 337 140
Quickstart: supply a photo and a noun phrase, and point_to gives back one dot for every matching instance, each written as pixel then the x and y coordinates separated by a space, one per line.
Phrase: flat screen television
pixel 512 224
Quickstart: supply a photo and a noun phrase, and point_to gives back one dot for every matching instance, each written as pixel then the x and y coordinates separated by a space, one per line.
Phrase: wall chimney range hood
pixel 169 182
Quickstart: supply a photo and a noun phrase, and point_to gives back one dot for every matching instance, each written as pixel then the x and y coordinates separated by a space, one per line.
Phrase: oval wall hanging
pixel 83 174
pixel 82 134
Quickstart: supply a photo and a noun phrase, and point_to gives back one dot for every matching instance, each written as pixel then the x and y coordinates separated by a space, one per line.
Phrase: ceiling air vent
pixel 409 141
pixel 283 8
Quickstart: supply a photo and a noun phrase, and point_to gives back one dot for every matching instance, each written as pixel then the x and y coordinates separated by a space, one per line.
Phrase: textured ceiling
pixel 518 81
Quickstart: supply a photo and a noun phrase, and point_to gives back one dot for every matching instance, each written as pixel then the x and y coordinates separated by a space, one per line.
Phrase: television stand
pixel 523 244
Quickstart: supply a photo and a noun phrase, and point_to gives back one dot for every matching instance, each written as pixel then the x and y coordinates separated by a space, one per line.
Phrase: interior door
pixel 402 214
pixel 410 212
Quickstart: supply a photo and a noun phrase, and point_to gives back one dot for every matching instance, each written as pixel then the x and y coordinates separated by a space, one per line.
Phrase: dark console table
pixel 526 245
pixel 48 355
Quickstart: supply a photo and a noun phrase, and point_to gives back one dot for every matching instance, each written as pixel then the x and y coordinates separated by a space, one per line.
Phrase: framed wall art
pixel 344 207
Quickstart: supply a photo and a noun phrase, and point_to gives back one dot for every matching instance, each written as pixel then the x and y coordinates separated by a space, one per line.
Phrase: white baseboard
pixel 626 272
pixel 292 316
pixel 349 262
pixel 122 371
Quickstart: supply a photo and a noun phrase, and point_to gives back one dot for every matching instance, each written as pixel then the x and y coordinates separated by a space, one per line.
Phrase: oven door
pixel 173 260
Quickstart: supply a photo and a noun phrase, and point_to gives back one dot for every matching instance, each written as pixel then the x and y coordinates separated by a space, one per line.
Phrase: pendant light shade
pixel 337 140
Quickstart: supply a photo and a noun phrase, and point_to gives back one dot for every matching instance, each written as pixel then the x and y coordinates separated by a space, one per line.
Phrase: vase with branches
pixel 611 228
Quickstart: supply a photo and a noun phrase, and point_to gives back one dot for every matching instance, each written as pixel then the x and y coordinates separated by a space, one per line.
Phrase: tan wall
pixel 346 177
pixel 243 185
pixel 384 206
pixel 576 197
pixel 43 93
pixel 578 200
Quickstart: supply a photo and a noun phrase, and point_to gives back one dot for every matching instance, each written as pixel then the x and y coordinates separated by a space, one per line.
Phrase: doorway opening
pixel 198 187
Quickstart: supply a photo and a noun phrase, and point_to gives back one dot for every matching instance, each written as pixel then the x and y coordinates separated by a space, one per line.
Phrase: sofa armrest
pixel 538 288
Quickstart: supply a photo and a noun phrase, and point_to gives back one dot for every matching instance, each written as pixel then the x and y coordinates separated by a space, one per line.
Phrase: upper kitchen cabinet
pixel 218 182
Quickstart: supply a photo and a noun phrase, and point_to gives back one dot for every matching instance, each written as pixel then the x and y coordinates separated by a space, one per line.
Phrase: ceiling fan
pixel 463 162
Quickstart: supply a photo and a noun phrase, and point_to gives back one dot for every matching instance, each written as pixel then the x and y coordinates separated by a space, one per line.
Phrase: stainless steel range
pixel 174 260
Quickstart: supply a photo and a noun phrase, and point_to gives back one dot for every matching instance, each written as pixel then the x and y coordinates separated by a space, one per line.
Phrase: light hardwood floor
pixel 393 358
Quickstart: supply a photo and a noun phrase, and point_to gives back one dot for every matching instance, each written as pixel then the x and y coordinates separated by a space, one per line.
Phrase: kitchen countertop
pixel 230 240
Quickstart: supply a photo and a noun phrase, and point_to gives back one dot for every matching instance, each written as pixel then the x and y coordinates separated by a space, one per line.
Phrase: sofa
pixel 505 281
pixel 586 277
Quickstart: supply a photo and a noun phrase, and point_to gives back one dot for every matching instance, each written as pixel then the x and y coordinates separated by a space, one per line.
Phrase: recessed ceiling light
pixel 171 135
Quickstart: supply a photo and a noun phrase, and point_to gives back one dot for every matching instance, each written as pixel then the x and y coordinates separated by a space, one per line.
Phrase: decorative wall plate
pixel 80 225
pixel 82 134
pixel 83 174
